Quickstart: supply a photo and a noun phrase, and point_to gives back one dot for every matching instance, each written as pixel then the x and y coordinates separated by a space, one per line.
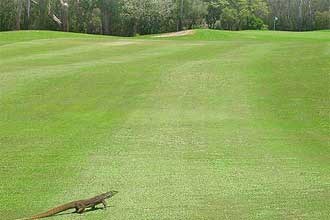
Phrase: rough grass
pixel 215 125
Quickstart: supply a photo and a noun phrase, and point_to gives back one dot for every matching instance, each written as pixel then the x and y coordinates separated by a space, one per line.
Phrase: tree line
pixel 131 17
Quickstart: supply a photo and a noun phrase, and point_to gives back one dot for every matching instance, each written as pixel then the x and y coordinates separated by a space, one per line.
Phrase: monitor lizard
pixel 79 205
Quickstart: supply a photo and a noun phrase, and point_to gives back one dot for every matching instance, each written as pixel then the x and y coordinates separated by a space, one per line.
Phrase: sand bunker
pixel 176 34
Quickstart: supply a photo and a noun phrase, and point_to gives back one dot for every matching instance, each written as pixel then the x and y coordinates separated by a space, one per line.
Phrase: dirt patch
pixel 176 34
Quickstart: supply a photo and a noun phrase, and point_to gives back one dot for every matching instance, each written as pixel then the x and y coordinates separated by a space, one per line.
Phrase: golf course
pixel 202 125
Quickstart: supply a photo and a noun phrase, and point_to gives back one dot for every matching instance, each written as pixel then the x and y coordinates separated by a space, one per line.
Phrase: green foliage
pixel 195 12
pixel 214 11
pixel 322 20
pixel 132 17
pixel 229 19
pixel 236 15
pixel 95 24
pixel 254 23
pixel 7 15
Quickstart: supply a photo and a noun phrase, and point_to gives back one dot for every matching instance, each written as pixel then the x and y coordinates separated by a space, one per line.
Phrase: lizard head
pixel 110 194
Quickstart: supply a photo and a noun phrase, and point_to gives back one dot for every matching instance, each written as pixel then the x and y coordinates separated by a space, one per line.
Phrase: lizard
pixel 79 205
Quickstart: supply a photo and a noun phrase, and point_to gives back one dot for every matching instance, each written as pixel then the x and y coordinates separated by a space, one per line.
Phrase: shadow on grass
pixel 87 211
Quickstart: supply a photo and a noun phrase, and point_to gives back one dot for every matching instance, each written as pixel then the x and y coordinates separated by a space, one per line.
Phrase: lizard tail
pixel 51 212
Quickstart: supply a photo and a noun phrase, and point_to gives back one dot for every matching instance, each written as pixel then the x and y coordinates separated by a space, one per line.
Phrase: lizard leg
pixel 77 208
pixel 104 204
pixel 81 210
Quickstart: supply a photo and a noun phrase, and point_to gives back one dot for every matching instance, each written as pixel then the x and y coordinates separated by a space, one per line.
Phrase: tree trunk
pixel 19 14
pixel 28 8
pixel 310 15
pixel 105 18
pixel 289 7
pixel 180 25
pixel 300 17
pixel 65 15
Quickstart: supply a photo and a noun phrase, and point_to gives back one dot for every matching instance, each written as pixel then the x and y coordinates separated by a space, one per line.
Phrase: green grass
pixel 215 125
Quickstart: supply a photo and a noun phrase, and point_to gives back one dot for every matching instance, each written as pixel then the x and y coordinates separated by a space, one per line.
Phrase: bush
pixel 254 23
pixel 322 20
pixel 264 27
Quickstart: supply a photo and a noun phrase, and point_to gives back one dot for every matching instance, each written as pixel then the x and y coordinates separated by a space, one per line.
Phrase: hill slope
pixel 214 125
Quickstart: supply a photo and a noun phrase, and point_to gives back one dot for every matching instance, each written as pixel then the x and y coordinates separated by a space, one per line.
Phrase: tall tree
pixel 214 11
pixel 65 14
pixel 105 6
pixel 19 14
pixel 28 11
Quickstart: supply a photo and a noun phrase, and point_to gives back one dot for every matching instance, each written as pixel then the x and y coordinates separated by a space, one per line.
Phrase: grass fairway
pixel 214 125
